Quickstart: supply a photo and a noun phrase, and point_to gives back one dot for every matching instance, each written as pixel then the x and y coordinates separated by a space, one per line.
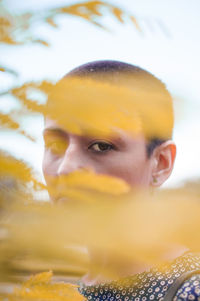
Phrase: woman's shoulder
pixel 190 289
pixel 181 276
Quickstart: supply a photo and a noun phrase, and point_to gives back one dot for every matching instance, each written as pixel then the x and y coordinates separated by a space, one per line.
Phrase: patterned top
pixel 189 290
pixel 151 285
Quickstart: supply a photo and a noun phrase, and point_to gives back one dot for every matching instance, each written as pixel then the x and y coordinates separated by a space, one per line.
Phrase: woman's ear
pixel 163 159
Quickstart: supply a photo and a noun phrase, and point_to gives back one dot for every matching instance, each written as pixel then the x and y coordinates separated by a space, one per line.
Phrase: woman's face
pixel 120 156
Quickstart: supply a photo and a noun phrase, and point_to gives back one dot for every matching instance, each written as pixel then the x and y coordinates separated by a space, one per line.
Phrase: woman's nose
pixel 71 161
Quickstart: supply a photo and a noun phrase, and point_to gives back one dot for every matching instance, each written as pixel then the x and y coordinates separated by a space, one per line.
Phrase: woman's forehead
pixel 95 108
pixel 118 135
pixel 50 123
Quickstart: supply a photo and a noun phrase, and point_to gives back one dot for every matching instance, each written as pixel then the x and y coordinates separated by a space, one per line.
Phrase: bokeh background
pixel 166 43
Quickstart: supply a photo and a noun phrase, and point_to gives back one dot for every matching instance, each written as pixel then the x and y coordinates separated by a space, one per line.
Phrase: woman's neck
pixel 105 269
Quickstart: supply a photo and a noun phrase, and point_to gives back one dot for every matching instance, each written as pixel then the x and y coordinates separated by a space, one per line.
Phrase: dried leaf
pixel 6 121
pixel 48 232
pixel 21 94
pixel 110 108
pixel 42 278
pixel 82 181
pixel 134 20
pixel 94 6
pixel 45 43
pixel 27 135
pixel 118 14
pixel 51 22
pixel 17 170
pixel 8 70
pixel 91 9
pixel 39 287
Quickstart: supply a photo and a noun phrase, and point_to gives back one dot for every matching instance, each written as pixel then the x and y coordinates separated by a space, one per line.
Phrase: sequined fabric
pixel 152 285
pixel 190 290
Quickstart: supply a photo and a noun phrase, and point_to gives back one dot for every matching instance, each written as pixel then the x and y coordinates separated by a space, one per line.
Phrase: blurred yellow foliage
pixel 14 28
pixel 81 184
pixel 133 227
pixel 110 108
pixel 7 121
pixel 15 179
pixel 95 211
pixel 40 287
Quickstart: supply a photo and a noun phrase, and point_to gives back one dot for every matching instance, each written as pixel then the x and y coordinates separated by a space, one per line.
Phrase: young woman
pixel 116 119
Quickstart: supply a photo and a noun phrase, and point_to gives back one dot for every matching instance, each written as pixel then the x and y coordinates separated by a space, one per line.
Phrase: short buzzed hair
pixel 120 73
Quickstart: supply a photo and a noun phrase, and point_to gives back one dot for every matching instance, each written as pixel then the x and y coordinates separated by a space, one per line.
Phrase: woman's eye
pixel 101 146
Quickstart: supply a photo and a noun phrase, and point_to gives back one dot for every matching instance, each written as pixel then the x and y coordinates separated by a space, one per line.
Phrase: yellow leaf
pixel 41 42
pixel 27 135
pixel 93 7
pixel 51 22
pixel 3 69
pixel 83 180
pixel 6 39
pixel 7 122
pixel 110 108
pixel 133 19
pixel 118 14
pixel 39 287
pixel 21 94
pixel 17 169
pixel 5 22
pixel 41 278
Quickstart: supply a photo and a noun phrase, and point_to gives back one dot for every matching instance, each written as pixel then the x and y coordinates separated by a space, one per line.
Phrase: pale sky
pixel 173 57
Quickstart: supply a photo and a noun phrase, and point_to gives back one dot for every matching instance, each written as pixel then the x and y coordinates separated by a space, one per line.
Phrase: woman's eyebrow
pixel 114 139
pixel 54 131
pixel 118 140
